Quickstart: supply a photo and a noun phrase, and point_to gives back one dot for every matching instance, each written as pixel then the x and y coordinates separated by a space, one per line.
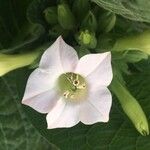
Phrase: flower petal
pixel 97 107
pixel 43 102
pixel 40 93
pixel 96 68
pixel 64 114
pixel 59 55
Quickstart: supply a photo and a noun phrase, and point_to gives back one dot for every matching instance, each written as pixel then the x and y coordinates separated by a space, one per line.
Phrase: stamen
pixel 72 86
pixel 82 86
pixel 76 82
pixel 77 77
pixel 66 94
pixel 72 96
pixel 71 77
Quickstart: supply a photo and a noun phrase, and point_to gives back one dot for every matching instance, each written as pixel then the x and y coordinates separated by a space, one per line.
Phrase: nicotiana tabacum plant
pixel 71 89
pixel 68 89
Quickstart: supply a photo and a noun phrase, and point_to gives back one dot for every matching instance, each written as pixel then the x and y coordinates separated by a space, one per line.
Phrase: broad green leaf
pixel 16 33
pixel 30 38
pixel 12 18
pixel 138 10
pixel 117 134
pixel 16 132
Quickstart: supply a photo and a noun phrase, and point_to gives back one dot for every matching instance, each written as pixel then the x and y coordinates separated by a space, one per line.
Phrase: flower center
pixel 72 86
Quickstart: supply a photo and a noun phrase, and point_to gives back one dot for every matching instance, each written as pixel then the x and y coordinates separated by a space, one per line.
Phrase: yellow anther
pixel 76 82
pixel 72 96
pixel 81 86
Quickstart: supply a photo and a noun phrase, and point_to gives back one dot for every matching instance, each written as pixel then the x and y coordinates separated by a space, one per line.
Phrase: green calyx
pixel 79 6
pixel 107 22
pixel 50 15
pixel 65 17
pixel 87 39
pixel 72 86
pixel 89 22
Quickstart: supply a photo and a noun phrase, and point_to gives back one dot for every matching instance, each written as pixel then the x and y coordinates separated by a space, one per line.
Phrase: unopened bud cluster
pixel 78 19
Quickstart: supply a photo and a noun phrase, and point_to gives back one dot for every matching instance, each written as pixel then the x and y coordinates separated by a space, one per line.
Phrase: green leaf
pixel 117 134
pixel 137 10
pixel 16 132
pixel 143 66
pixel 16 33
pixel 31 38
pixel 12 18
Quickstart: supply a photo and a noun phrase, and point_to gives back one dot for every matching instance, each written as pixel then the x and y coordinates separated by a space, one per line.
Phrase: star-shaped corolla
pixel 70 89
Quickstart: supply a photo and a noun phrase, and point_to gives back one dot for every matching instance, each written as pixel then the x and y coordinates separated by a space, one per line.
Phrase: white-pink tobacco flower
pixel 70 89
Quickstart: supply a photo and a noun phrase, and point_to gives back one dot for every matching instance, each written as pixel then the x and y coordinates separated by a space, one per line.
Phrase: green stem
pixel 131 107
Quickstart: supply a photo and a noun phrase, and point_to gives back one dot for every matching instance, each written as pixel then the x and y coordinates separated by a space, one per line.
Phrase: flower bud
pixel 79 6
pixel 139 42
pixel 12 62
pixel 65 17
pixel 50 15
pixel 89 22
pixel 131 107
pixel 107 22
pixel 87 39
